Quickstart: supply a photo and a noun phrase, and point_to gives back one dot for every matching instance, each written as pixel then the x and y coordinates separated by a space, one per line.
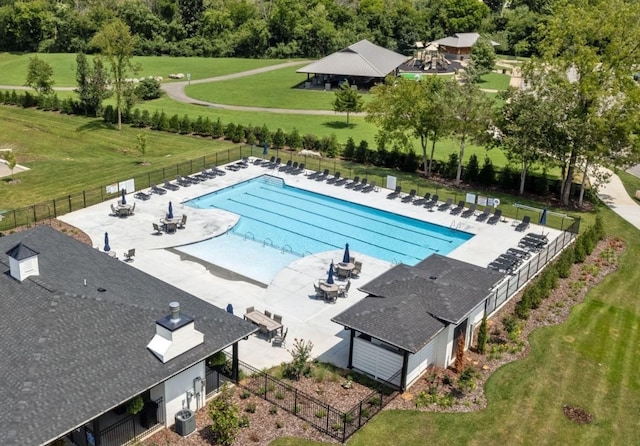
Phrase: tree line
pixel 267 28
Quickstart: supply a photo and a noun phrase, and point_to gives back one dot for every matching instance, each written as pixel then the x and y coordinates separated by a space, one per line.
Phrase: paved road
pixel 614 195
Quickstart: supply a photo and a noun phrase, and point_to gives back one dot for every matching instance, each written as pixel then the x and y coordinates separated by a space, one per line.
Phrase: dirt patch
pixel 439 390
pixel 577 414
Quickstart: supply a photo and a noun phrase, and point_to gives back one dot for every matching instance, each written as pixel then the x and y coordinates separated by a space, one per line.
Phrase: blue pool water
pixel 299 222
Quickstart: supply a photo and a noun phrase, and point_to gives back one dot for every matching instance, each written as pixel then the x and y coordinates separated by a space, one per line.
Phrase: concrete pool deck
pixel 290 293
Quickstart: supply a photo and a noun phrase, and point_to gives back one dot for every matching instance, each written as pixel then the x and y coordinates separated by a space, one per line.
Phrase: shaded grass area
pixel 13 67
pixel 591 361
pixel 495 81
pixel 631 183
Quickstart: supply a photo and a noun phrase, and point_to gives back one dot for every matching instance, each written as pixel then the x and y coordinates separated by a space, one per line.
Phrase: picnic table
pixel 267 324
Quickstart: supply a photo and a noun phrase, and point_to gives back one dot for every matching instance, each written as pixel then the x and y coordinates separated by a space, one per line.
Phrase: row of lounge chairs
pixel 533 242
pixel 357 184
pixel 181 181
pixel 291 167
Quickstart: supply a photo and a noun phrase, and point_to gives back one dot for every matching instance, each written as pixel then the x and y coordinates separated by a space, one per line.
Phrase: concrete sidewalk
pixel 614 195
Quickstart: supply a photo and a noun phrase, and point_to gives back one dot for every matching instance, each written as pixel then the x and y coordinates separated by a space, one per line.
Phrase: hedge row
pixel 542 287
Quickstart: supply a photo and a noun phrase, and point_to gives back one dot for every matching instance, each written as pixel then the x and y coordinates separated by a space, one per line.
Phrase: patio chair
pixel 171 228
pixel 157 189
pixel 423 200
pixel 524 224
pixel 277 318
pixel 123 212
pixel 300 169
pixel 323 176
pixel 183 222
pixel 446 205
pixel 209 173
pixel 114 211
pixel 357 269
pixel 200 177
pixel 280 339
pixel 182 181
pixel 371 187
pixel 286 166
pixel 193 179
pixel 431 203
pixel 395 193
pixel 343 291
pixel 319 292
pixel 218 171
pixel 332 296
pixel 313 175
pixel 458 209
pixel 361 185
pixel 352 260
pixel 270 161
pixel 129 255
pixel 334 178
pixel 157 229
pixel 469 212
pixel 294 168
pixel 495 218
pixel 232 167
pixel 353 183
pixel 249 310
pixel 267 313
pixel 485 214
pixel 257 161
pixel 409 198
pixel 341 182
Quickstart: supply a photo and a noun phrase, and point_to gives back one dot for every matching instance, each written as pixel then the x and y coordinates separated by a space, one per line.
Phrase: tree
pixel 225 417
pixel 523 124
pixel 142 145
pixel 92 84
pixel 39 76
pixel 116 43
pixel 483 335
pixel 589 51
pixel 347 100
pixel 10 158
pixel 483 59
pixel 402 108
pixel 470 111
pixel 148 89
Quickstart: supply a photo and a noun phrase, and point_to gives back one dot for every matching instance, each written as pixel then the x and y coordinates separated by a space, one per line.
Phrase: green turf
pixel 13 67
pixel 494 81
pixel 631 183
pixel 591 361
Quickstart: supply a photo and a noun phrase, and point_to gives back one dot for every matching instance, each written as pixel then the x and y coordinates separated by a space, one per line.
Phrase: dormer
pixel 23 262
pixel 175 335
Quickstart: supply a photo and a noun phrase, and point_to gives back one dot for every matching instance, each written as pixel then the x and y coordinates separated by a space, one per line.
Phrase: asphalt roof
pixel 407 306
pixel 360 59
pixel 461 40
pixel 71 352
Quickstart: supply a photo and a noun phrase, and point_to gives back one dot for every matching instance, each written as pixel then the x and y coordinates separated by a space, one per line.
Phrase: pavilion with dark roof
pixel 413 317
pixel 459 45
pixel 84 333
pixel 360 63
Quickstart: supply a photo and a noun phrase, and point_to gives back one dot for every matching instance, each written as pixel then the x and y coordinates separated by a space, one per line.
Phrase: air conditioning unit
pixel 185 422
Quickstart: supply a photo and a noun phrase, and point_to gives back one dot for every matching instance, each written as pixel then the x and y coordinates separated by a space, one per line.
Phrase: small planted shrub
pixel 245 394
pixel 251 408
pixel 273 410
pixel 244 421
pixel 468 379
pixel 279 424
pixel 279 395
pixel 321 413
pixel 483 335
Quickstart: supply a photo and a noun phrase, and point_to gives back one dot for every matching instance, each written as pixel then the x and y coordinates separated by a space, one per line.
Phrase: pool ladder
pixel 284 249
pixel 253 237
pixel 264 243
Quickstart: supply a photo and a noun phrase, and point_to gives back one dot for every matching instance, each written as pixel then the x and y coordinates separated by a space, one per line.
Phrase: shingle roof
pixel 21 252
pixel 407 306
pixel 71 352
pixel 360 59
pixel 461 40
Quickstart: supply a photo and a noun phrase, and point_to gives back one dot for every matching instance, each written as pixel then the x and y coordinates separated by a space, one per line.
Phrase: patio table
pixel 344 269
pixel 265 322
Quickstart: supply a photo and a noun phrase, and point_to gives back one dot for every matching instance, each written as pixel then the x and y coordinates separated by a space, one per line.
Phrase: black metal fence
pixel 215 380
pixel 336 423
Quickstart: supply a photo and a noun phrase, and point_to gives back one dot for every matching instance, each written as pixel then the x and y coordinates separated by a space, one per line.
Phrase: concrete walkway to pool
pixel 290 292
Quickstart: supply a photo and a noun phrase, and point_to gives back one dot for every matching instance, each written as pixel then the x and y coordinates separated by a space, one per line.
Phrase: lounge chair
pixel 323 176
pixel 170 186
pixel 267 163
pixel 201 176
pixel 458 209
pixel 300 169
pixel 286 167
pixel 495 218
pixel 293 168
pixel 371 187
pixel 232 167
pixel 275 164
pixel 129 255
pixel 431 203
pixel 157 189
pixel 353 183
pixel 409 198
pixel 343 291
pixel 183 222
pixel 280 339
pixel 194 179
pixel 313 175
pixel 485 214
pixel 257 161
pixel 469 212
pixel 361 185
pixel 524 224
pixel 446 205
pixel 341 182
pixel 141 196
pixel 182 181
pixel 423 200
pixel 541 237
pixel 519 253
pixel 334 178
pixel 209 173
pixel 243 163
pixel 395 193
pixel 157 229
pixel 218 171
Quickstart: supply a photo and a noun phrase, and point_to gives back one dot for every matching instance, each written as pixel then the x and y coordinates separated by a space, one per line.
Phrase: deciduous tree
pixel 39 76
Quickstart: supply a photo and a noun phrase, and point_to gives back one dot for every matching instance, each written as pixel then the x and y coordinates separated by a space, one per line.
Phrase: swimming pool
pixel 299 222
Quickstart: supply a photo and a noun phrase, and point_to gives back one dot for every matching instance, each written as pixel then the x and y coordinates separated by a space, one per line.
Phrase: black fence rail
pixel 336 423
pixel 215 380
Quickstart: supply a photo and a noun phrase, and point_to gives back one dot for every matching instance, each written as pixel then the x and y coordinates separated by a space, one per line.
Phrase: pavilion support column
pixel 97 436
pixel 405 370
pixel 235 369
pixel 352 335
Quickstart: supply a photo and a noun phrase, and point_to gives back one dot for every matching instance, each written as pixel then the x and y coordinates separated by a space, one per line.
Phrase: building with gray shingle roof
pixel 75 337
pixel 459 44
pixel 360 60
pixel 412 315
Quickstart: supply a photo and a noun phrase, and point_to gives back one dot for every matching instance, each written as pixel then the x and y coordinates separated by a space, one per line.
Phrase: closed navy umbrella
pixel 107 248
pixel 265 148
pixel 170 213
pixel 543 217
pixel 124 200
pixel 346 256
pixel 330 276
pixel 230 309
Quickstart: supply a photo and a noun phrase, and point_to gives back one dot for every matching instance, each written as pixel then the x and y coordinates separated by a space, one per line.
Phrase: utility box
pixel 185 422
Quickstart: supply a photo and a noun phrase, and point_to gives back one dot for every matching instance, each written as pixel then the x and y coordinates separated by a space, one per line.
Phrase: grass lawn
pixel 13 67
pixel 591 361
pixel 495 81
pixel 631 183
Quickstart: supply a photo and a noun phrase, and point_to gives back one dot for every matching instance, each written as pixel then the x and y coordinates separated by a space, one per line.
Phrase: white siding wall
pixel 419 362
pixel 375 360
pixel 174 392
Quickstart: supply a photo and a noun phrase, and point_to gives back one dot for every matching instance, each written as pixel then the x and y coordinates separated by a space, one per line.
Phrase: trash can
pixel 185 422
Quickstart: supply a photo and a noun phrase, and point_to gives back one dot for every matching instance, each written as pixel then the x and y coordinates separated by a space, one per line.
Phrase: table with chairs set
pixel 327 289
pixel 269 324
